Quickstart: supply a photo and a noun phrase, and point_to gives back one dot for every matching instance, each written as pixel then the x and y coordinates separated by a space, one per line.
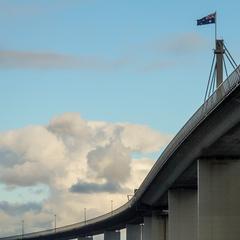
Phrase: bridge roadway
pixel 212 134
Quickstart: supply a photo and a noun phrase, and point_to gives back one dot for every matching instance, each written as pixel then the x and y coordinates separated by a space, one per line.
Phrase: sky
pixel 91 92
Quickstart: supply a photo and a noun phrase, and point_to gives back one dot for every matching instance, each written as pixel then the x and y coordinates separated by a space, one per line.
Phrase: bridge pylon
pixel 219 51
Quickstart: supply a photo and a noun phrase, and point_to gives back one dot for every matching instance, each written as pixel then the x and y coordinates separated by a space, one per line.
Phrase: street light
pixel 85 215
pixel 22 228
pixel 112 206
pixel 55 222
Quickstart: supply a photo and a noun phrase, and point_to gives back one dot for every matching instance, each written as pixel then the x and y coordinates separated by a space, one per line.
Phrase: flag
pixel 211 18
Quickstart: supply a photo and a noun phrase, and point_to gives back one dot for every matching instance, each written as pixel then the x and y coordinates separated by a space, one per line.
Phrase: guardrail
pixel 208 106
pixel 203 111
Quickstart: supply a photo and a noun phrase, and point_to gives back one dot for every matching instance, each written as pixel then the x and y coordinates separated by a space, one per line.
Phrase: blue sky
pixel 126 37
pixel 119 62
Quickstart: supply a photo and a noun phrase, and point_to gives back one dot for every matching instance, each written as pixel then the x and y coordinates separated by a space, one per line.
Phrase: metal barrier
pixel 209 105
pixel 204 110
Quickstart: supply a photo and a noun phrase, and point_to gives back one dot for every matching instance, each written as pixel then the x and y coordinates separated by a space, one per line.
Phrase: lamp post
pixel 85 215
pixel 112 206
pixel 22 228
pixel 55 222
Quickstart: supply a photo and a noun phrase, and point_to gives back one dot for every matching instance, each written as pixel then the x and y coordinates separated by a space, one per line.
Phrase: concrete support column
pixel 154 227
pixel 85 238
pixel 147 228
pixel 111 235
pixel 182 214
pixel 133 232
pixel 167 227
pixel 219 199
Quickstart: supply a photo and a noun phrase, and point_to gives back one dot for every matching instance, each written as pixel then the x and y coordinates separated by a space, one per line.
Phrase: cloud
pixel 45 60
pixel 143 138
pixel 166 52
pixel 71 148
pixel 33 9
pixel 10 225
pixel 20 59
pixel 139 170
pixel 181 44
pixel 73 131
pixel 73 158
pixel 51 60
pixel 85 187
pixel 111 162
pixel 35 153
pixel 8 157
pixel 19 209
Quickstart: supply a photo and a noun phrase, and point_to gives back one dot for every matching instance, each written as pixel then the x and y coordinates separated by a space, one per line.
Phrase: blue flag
pixel 211 18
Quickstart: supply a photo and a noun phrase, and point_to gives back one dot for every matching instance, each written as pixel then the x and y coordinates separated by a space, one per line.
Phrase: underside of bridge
pixel 217 137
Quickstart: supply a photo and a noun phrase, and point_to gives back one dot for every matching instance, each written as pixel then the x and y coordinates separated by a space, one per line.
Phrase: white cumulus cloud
pixel 84 164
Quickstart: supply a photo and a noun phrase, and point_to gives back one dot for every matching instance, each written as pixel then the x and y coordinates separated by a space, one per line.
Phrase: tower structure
pixel 219 51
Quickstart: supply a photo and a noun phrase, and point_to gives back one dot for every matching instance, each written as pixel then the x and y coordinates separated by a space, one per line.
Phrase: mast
pixel 219 51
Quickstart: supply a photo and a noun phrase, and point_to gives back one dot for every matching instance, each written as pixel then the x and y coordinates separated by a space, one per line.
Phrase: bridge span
pixel 193 190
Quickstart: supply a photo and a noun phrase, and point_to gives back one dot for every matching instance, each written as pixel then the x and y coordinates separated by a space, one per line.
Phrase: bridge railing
pixel 203 111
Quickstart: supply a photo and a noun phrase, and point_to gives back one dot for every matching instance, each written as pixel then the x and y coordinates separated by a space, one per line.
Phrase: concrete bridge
pixel 192 191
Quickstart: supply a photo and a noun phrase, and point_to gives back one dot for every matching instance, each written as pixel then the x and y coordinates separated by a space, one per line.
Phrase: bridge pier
pixel 155 227
pixel 111 235
pixel 218 199
pixel 133 232
pixel 147 228
pixel 182 214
